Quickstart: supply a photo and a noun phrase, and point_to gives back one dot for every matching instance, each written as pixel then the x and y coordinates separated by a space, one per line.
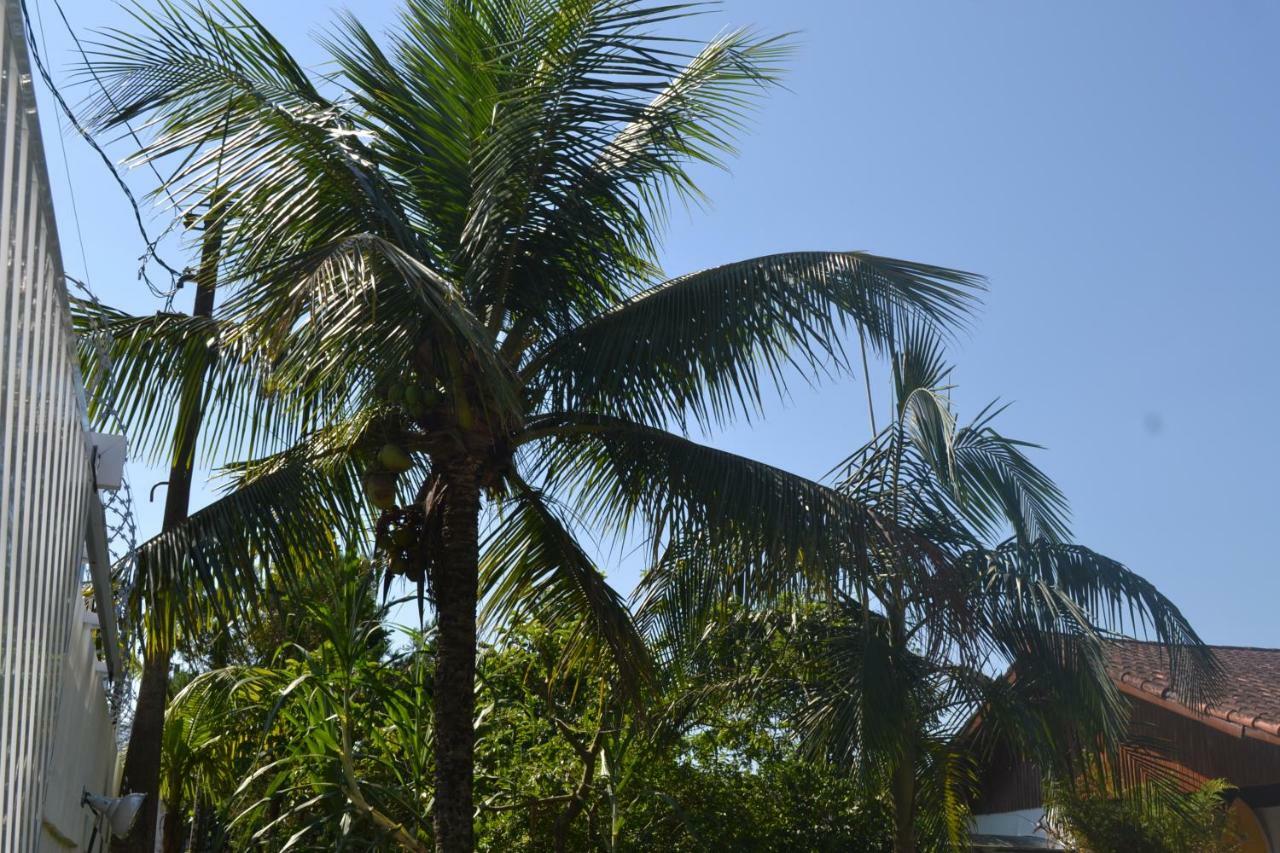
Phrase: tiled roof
pixel 1248 695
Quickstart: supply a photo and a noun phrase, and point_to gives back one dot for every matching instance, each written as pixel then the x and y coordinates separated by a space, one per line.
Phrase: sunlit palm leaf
pixel 144 367
pixel 224 94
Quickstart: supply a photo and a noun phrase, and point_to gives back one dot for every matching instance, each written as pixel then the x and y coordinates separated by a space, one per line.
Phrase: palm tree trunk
pixel 904 805
pixel 200 817
pixel 454 587
pixel 142 760
pixel 175 828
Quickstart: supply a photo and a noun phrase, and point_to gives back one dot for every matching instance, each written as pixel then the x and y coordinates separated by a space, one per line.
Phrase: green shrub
pixel 1198 822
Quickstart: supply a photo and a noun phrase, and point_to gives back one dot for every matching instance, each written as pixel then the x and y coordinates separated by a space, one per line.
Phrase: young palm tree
pixel 915 641
pixel 445 253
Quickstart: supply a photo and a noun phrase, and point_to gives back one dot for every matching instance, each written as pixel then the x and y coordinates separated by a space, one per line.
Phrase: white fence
pixel 56 735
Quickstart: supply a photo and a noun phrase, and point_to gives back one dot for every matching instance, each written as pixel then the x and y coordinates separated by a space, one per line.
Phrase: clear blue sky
pixel 1113 168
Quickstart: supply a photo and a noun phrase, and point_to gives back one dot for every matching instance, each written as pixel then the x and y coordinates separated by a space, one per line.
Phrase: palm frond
pixel 725 526
pixel 704 345
pixel 144 366
pixel 221 93
pixel 947 781
pixel 1064 588
pixel 549 185
pixel 213 564
pixel 620 472
pixel 533 567
pixel 999 485
pixel 363 306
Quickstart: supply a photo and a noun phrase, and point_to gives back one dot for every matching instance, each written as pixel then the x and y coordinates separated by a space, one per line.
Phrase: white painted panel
pixel 56 732
pixel 1021 822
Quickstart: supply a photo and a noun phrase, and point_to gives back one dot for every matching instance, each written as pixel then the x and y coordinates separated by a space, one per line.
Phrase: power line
pixel 84 57
pixel 66 171
pixel 151 252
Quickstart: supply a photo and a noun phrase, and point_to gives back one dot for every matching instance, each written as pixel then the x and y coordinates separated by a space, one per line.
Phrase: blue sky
pixel 1113 168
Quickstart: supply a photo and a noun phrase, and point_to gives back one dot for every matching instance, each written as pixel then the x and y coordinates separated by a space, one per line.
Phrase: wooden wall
pixel 1190 746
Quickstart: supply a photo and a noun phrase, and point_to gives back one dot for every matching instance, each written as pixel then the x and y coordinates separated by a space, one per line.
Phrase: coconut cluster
pixel 383 474
pixel 400 539
pixel 415 398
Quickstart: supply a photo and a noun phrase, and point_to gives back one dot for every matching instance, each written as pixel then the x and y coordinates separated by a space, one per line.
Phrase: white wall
pixel 84 754
pixel 54 735
pixel 1021 822
pixel 1270 820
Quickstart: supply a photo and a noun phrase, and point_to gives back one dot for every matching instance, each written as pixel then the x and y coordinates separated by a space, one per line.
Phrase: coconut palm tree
pixel 908 649
pixel 445 254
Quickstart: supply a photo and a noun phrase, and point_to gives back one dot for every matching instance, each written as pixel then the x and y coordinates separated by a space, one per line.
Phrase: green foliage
pixel 696 768
pixel 326 745
pixel 918 622
pixel 474 203
pixel 1200 822
pixel 477 200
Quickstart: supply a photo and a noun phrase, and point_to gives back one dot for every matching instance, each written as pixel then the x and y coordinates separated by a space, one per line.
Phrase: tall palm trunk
pixel 142 760
pixel 904 805
pixel 454 586
pixel 175 828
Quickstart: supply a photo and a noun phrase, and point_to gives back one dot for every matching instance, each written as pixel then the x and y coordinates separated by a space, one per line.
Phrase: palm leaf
pixel 619 472
pixel 533 567
pixel 1054 585
pixel 704 344
pixel 212 565
pixel 145 367
pixel 222 94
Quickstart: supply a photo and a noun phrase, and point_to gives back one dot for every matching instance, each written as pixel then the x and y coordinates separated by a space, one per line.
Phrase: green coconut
pixel 395 393
pixel 394 459
pixel 380 489
pixel 412 395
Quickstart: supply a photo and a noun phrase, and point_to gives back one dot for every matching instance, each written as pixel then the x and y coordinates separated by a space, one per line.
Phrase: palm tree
pixel 909 646
pixel 445 253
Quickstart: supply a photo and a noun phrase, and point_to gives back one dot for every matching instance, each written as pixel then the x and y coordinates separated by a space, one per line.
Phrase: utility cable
pixel 151 251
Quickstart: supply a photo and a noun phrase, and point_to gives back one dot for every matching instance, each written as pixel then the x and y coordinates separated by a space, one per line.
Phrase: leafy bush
pixel 1131 823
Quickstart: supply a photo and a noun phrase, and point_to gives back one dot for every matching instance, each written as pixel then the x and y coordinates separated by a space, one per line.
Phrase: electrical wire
pixel 177 277
pixel 84 58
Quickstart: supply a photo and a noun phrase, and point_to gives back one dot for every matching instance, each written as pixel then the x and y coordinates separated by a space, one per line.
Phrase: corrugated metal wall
pixel 46 477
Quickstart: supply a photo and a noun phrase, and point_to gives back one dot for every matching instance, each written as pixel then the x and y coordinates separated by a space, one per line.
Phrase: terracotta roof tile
pixel 1249 694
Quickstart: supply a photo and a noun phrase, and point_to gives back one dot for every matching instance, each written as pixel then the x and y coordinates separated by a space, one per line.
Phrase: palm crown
pixel 448 248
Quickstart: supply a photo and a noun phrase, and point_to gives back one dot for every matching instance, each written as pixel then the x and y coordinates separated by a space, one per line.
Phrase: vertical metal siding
pixel 46 475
